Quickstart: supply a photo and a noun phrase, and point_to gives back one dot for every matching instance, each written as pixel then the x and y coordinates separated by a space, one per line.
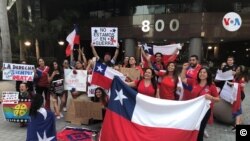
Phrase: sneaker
pixel 61 115
pixel 58 117
pixel 64 109
pixel 206 135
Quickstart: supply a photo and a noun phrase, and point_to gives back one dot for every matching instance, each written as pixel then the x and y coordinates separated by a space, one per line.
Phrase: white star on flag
pixel 146 47
pixel 44 137
pixel 99 68
pixel 120 96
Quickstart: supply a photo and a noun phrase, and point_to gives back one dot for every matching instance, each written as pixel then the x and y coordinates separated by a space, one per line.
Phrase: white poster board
pixel 104 36
pixel 10 97
pixel 75 79
pixel 223 76
pixel 18 72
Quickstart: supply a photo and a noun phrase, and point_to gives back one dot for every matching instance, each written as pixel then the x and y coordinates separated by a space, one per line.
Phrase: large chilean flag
pixel 131 116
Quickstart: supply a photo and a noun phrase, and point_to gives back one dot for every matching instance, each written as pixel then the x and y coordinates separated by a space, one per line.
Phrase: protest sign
pixel 58 86
pixel 104 36
pixel 10 97
pixel 18 112
pixel 132 73
pixel 18 72
pixel 76 79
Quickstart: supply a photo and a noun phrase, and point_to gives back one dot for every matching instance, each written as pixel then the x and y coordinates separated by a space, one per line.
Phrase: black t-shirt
pixel 227 68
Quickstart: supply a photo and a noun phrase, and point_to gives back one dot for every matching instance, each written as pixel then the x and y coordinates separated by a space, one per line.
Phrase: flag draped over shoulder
pixel 42 127
pixel 131 116
pixel 73 38
pixel 169 52
pixel 103 75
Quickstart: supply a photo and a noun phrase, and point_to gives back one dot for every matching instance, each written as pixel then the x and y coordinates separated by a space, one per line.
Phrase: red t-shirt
pixel 167 88
pixel 146 90
pixel 191 73
pixel 43 76
pixel 198 90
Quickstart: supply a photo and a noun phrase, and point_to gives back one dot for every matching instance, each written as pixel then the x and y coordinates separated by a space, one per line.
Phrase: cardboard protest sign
pixel 132 73
pixel 18 72
pixel 76 79
pixel 17 112
pixel 15 109
pixel 104 36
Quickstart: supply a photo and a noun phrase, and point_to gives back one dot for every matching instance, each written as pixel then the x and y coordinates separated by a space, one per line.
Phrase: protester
pixel 203 85
pixel 56 88
pixel 65 93
pixel 29 83
pixel 168 86
pixel 147 85
pixel 241 78
pixel 107 57
pixel 191 72
pixel 101 96
pixel 24 94
pixel 42 82
pixel 42 122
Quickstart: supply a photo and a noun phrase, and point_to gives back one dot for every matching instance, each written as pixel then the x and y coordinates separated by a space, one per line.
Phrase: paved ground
pixel 218 132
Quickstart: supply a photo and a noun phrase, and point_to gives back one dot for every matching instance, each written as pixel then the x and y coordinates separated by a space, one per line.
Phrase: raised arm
pixel 183 73
pixel 116 52
pixel 94 51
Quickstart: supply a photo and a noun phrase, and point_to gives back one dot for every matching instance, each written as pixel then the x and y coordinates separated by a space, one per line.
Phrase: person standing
pixel 191 72
pixel 203 85
pixel 42 82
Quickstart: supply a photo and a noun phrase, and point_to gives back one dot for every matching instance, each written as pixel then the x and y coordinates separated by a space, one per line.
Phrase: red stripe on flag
pixel 77 39
pixel 68 50
pixel 100 80
pixel 117 128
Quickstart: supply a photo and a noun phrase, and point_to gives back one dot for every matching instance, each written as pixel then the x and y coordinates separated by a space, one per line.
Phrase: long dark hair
pixel 153 80
pixel 209 76
pixel 175 73
pixel 103 96
pixel 243 74
pixel 36 103
pixel 53 69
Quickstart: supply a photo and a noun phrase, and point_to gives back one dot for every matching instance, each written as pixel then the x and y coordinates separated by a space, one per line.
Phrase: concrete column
pixel 195 48
pixel 130 47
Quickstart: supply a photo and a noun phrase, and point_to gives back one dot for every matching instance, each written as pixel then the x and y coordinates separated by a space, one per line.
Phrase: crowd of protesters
pixel 159 82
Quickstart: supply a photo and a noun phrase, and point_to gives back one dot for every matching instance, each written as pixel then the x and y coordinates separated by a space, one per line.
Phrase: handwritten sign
pixel 10 97
pixel 104 36
pixel 18 72
pixel 75 79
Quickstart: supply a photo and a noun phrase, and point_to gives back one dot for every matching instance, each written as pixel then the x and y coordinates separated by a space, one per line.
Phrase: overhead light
pixel 247 49
pixel 61 43
pixel 234 51
pixel 221 40
pixel 209 47
pixel 27 43
pixel 165 40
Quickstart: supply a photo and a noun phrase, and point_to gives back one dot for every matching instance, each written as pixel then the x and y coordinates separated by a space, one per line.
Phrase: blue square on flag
pixel 100 68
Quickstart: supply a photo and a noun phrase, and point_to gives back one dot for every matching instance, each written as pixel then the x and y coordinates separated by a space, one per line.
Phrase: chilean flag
pixel 132 116
pixel 103 75
pixel 73 38
pixel 169 52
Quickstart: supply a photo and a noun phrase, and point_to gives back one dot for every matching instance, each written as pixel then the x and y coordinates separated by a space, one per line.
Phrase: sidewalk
pixel 218 132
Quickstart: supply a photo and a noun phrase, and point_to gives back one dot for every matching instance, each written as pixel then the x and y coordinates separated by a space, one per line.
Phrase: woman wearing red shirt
pixel 147 85
pixel 202 86
pixel 169 82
